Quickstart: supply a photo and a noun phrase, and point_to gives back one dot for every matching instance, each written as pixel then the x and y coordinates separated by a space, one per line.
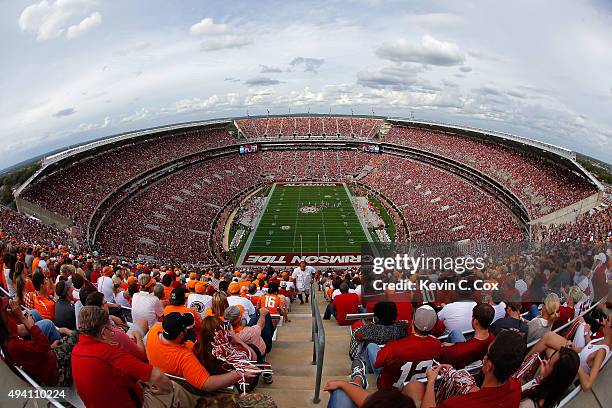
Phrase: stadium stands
pixel 542 187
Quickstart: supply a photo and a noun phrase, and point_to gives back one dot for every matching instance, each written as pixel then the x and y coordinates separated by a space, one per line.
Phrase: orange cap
pixel 237 274
pixel 200 287
pixel 233 288
pixel 132 279
pixel 192 284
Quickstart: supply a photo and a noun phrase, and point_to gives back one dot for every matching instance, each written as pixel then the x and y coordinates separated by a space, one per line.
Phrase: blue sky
pixel 74 70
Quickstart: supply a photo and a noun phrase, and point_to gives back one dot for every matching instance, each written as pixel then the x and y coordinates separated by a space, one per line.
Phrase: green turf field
pixel 307 219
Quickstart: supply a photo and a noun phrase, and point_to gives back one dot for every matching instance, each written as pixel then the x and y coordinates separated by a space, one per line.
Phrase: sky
pixel 75 70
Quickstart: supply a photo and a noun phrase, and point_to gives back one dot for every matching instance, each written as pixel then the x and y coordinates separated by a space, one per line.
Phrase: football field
pixel 305 220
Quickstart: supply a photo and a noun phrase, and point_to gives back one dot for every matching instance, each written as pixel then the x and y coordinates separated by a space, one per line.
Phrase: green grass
pixel 385 216
pixel 283 228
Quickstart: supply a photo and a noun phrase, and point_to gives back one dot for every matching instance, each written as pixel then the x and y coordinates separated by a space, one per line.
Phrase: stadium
pixel 263 194
pixel 272 204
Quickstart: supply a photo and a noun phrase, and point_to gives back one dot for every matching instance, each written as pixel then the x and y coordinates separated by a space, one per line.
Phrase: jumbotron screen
pixel 370 148
pixel 244 149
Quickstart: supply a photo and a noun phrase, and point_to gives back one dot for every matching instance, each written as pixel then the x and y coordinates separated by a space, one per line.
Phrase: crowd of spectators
pixel 542 186
pixel 440 206
pixel 357 127
pixel 33 231
pixel 74 191
pixel 521 345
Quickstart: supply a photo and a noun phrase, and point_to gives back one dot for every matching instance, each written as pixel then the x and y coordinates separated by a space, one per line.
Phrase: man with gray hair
pixel 106 375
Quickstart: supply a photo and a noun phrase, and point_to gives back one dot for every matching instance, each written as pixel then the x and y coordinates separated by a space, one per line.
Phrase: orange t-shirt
pixel 270 302
pixel 175 359
pixel 182 310
pixel 35 263
pixel 45 306
pixel 167 291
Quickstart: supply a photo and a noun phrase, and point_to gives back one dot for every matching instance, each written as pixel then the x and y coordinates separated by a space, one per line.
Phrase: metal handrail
pixel 318 347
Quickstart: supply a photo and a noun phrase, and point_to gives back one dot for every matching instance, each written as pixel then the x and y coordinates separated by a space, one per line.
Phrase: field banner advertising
pixel 293 259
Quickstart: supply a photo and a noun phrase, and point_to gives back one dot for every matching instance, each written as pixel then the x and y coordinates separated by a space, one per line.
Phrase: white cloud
pixel 50 19
pixel 87 23
pixel 213 101
pixel 433 19
pixel 218 36
pixel 429 51
pixel 224 42
pixel 208 27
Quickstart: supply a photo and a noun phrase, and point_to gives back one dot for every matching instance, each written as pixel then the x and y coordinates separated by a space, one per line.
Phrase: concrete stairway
pixel 291 359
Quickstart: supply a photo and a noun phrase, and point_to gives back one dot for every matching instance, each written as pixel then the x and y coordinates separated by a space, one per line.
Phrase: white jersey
pixel 303 278
pixel 199 303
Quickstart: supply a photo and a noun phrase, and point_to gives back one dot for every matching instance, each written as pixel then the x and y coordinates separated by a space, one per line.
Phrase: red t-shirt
pixel 505 396
pixel 344 304
pixel 402 359
pixel 461 354
pixel 107 376
pixel 34 355
pixel 566 313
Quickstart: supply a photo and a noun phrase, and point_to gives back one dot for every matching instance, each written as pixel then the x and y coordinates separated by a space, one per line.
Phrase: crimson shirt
pixel 461 354
pixel 34 355
pixel 397 353
pixel 507 395
pixel 344 304
pixel 107 376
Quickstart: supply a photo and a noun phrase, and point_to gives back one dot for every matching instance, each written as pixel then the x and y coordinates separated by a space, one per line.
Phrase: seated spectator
pixel 273 302
pixel 497 301
pixel 167 284
pixel 351 394
pixel 513 319
pixel 105 284
pixel 170 348
pixel 542 324
pixel 593 353
pixel 64 309
pixel 390 362
pixel 42 300
pixel 145 305
pixel 343 304
pixel 383 329
pixel 556 375
pixel 498 389
pixel 463 352
pixel 198 299
pixel 177 304
pixel 253 293
pixel 457 315
pixel 106 376
pixel 25 344
pixel 132 341
pixel 234 299
pixel 85 291
pixel 217 306
pixel 124 297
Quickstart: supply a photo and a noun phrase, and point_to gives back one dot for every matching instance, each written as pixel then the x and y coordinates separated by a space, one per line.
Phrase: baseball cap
pixel 145 280
pixel 175 323
pixel 233 288
pixel 132 279
pixel 177 296
pixel 232 313
pixel 425 318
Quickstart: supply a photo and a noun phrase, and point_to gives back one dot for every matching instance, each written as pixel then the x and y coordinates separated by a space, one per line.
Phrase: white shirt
pixel 521 286
pixel 77 308
pixel 200 303
pixel 249 309
pixel 146 306
pixel 105 285
pixel 122 300
pixel 457 316
pixel 75 293
pixel 303 278
pixel 9 283
pixel 500 311
pixel 335 293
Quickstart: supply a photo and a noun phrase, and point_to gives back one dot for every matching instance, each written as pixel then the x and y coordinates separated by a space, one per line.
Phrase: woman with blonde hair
pixel 542 324
pixel 218 306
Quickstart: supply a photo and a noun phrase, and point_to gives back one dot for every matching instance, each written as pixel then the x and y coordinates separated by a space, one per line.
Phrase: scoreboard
pixel 370 148
pixel 251 148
